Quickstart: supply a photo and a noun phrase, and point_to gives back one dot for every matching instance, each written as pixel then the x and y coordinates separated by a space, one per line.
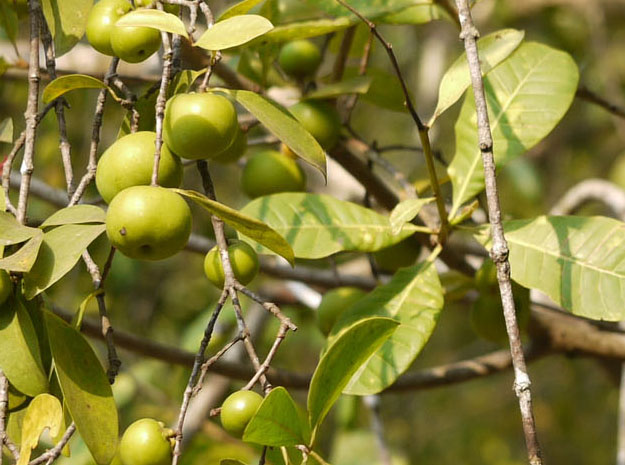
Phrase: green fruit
pixel 101 21
pixel 236 150
pixel 334 303
pixel 487 318
pixel 270 172
pixel 243 259
pixel 6 286
pixel 299 58
pixel 135 44
pixel 146 442
pixel 129 162
pixel 402 254
pixel 199 126
pixel 173 9
pixel 320 119
pixel 237 411
pixel 148 223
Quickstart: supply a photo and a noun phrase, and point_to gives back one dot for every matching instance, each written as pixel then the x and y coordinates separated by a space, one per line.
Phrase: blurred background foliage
pixel 470 423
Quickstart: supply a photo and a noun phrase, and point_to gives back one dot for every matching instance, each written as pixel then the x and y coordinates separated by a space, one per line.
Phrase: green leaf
pixel 9 20
pixel 405 212
pixel 319 225
pixel 234 31
pixel 342 359
pixel 64 84
pixel 182 82
pixel 251 227
pixel 368 8
pixel 231 462
pixel 417 14
pixel 86 389
pixel 67 21
pixel 527 95
pixel 384 90
pixel 579 262
pixel 76 214
pixel 14 426
pixel 239 9
pixel 45 411
pixel 306 29
pixel 156 19
pixel 20 356
pixel 61 249
pixel 355 85
pixel 286 128
pixel 24 259
pixel 492 49
pixel 6 131
pixel 413 298
pixel 12 232
pixel 276 422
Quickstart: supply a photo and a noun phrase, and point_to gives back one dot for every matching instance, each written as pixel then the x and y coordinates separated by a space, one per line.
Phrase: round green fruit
pixel 129 162
pixel 148 223
pixel 146 442
pixel 101 21
pixel 236 150
pixel 320 119
pixel 169 8
pixel 135 44
pixel 402 254
pixel 334 303
pixel 487 318
pixel 299 58
pixel 269 172
pixel 199 126
pixel 237 411
pixel 243 259
pixel 5 286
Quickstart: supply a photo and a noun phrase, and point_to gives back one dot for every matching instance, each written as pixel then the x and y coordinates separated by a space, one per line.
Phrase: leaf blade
pixel 234 31
pixel 76 214
pixel 64 84
pixel 155 19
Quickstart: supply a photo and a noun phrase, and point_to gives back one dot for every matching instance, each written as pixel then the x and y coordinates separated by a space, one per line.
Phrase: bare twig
pixel 583 93
pixel 588 190
pixel 211 361
pixel 499 251
pixel 50 455
pixel 95 136
pixel 34 9
pixel 343 55
pixel 260 372
pixel 4 405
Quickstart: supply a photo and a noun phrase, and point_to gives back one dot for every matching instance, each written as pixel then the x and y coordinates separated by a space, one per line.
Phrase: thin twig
pixel 586 94
pixel 211 361
pixel 499 251
pixel 343 55
pixel 32 105
pixel 272 353
pixel 422 128
pixel 95 136
pixel 53 453
pixel 373 403
pixel 350 103
pixel 4 405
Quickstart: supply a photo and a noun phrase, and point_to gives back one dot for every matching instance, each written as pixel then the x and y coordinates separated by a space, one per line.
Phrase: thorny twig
pixel 499 251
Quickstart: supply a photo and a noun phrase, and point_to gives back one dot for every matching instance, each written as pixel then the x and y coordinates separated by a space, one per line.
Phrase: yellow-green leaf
pixel 64 84
pixel 234 31
pixel 155 19
pixel 45 411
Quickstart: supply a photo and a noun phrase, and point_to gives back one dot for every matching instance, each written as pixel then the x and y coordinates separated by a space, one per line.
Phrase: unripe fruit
pixel 146 442
pixel 169 8
pixel 236 150
pixel 299 58
pixel 101 21
pixel 243 259
pixel 270 172
pixel 148 223
pixel 129 162
pixel 334 303
pixel 320 119
pixel 135 44
pixel 237 411
pixel 199 126
pixel 400 255
pixel 5 286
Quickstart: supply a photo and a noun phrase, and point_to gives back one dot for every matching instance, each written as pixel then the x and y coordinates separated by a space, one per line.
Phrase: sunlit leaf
pixel 156 19
pixel 492 49
pixel 577 261
pixel 6 131
pixel 64 84
pixel 355 85
pixel 234 31
pixel 86 389
pixel 413 298
pixel 527 95
pixel 67 21
pixel 406 211
pixel 416 14
pixel 12 232
pixel 60 251
pixel 342 359
pixel 286 128
pixel 306 29
pixel 76 214
pixel 20 356
pixel 24 259
pixel 239 9
pixel 45 411
pixel 245 224
pixel 368 8
pixel 319 225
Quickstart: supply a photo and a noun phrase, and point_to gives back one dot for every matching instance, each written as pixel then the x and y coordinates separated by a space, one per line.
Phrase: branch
pixel 499 251
pixel 586 94
pixel 588 190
